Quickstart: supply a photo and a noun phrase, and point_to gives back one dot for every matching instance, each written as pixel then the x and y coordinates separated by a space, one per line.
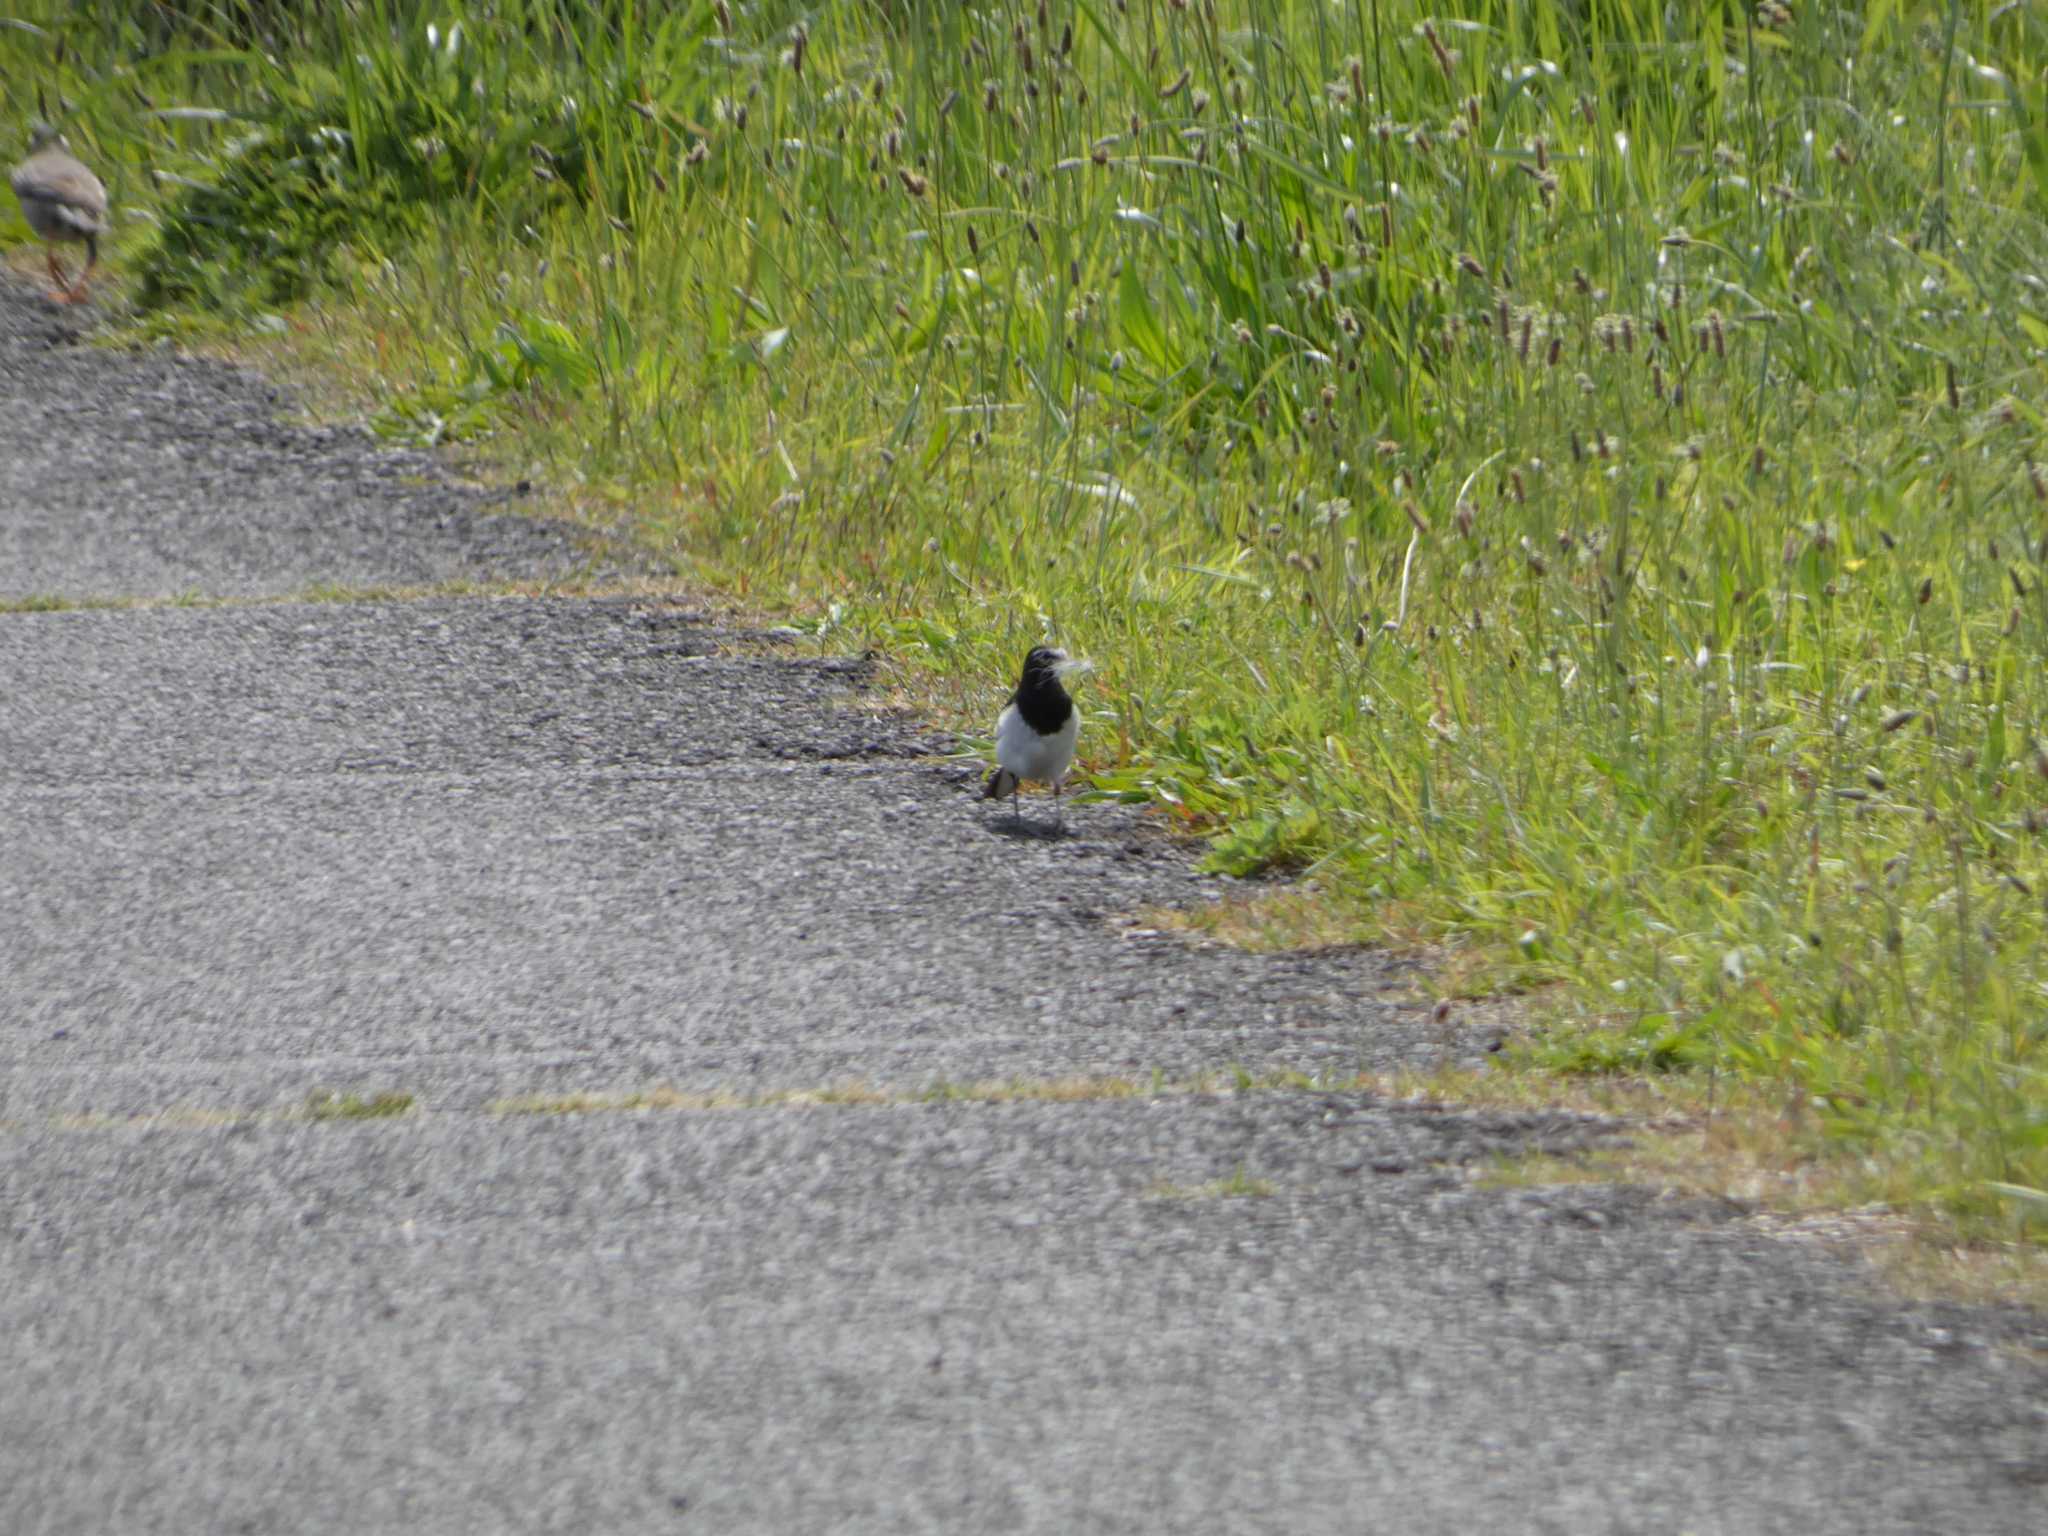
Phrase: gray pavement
pixel 182 479
pixel 516 849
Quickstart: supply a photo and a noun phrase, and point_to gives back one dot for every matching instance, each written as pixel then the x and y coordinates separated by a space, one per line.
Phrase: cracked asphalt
pixel 517 857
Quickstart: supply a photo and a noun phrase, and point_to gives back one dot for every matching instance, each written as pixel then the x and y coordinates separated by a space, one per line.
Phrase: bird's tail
pixel 1000 783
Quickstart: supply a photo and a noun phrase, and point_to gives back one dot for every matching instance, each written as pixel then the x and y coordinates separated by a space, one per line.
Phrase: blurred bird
pixel 1037 730
pixel 62 201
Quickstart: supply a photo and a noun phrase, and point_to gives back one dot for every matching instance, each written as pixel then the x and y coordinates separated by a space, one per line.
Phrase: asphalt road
pixel 496 854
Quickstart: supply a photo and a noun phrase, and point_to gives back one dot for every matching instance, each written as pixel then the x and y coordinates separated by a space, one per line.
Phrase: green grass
pixel 1239 1186
pixel 325 1105
pixel 1565 477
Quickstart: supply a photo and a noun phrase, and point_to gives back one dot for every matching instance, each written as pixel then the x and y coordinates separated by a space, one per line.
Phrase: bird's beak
pixel 1072 666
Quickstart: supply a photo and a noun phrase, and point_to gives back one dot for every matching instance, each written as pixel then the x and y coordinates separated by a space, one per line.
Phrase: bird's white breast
pixel 1032 756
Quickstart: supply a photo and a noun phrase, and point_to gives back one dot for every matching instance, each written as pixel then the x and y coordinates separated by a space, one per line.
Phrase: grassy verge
pixel 1566 477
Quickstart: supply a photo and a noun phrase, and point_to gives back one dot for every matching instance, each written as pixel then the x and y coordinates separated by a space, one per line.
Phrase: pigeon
pixel 62 201
pixel 1036 732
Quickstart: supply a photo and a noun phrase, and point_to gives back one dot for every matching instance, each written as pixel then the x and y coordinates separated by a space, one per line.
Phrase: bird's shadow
pixel 1030 830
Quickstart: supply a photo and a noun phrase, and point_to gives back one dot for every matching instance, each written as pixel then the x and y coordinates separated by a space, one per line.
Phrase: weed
pixel 1239 1186
pixel 324 1105
pixel 1058 1090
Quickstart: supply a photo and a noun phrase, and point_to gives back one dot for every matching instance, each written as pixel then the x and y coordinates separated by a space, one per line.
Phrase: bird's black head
pixel 1042 667
pixel 1040 697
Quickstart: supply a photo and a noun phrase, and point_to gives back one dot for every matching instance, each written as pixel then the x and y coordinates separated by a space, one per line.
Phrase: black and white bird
pixel 1037 730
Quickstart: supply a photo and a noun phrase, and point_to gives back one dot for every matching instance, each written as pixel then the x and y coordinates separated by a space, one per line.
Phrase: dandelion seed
pixel 2012 621
pixel 1955 399
pixel 1556 351
pixel 1926 591
pixel 1415 516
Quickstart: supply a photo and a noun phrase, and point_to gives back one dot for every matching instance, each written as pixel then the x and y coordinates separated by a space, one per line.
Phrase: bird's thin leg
pixel 92 257
pixel 62 292
pixel 1058 819
pixel 1016 805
